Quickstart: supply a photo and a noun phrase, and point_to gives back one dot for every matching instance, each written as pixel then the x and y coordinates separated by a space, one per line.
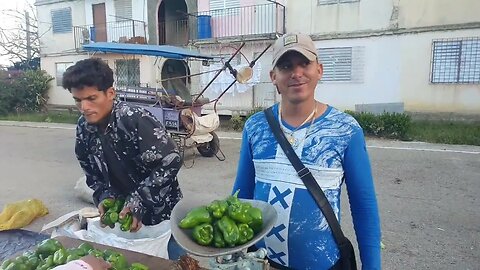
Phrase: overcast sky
pixel 6 22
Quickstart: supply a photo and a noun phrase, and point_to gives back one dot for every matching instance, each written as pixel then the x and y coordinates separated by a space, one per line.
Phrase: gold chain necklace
pixel 290 134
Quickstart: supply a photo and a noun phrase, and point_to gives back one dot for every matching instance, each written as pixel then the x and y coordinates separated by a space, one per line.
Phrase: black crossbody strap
pixel 307 178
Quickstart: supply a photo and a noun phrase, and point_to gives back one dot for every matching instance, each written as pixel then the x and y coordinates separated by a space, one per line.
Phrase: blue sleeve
pixel 363 202
pixel 245 180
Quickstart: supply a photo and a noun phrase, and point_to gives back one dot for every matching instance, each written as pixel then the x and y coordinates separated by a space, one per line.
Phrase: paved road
pixel 427 193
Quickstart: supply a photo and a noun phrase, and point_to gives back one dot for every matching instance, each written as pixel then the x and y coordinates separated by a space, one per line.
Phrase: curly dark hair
pixel 88 73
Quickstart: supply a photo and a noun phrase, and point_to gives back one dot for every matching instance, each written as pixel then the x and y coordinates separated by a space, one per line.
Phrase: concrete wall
pixel 414 13
pixel 152 17
pixel 58 42
pixel 361 15
pixel 397 70
pixel 379 68
pixel 57 94
pixel 418 93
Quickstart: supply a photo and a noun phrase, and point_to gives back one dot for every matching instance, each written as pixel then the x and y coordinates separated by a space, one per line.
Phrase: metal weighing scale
pixel 235 258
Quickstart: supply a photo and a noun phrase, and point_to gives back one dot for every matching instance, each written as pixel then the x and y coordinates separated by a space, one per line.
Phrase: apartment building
pixel 397 55
pixel 378 55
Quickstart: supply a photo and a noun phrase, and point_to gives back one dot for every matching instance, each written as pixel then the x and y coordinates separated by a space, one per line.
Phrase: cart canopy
pixel 167 51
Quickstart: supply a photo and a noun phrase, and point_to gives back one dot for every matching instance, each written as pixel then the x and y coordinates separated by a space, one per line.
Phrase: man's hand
pixel 96 263
pixel 136 224
pixel 101 211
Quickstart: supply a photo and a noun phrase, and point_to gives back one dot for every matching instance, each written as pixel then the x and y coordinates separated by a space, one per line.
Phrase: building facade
pixel 396 55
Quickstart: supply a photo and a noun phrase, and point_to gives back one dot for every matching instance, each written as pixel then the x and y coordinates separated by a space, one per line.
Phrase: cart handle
pixel 220 71
pixel 234 72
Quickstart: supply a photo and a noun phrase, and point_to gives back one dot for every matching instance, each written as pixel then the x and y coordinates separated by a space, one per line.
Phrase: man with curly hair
pixel 124 150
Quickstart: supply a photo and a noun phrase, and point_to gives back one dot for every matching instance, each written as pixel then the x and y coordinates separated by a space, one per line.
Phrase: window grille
pixel 127 72
pixel 455 61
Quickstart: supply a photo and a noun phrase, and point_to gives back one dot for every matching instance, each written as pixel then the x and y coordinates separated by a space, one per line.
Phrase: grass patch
pixel 445 132
pixel 51 117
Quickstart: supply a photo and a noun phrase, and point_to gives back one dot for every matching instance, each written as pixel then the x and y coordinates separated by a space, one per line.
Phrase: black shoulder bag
pixel 347 253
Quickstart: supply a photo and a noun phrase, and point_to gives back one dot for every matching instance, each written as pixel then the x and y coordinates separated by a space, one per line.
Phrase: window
pixel 224 7
pixel 59 70
pixel 123 10
pixel 342 64
pixel 456 61
pixel 127 72
pixel 61 20
pixel 330 2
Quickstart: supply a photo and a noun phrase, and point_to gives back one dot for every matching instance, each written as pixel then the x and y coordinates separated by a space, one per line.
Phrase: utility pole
pixel 29 48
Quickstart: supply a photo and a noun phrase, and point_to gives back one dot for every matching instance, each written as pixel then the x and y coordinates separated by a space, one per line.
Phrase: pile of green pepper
pixel 51 253
pixel 223 223
pixel 113 207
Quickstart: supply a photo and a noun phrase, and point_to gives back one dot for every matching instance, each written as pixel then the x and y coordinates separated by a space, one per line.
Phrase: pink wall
pixel 247 20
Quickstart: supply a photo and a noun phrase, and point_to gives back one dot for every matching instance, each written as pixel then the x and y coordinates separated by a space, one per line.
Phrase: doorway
pixel 100 23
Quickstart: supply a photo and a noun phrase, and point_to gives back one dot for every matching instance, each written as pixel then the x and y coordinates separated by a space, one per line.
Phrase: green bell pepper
pixel 118 205
pixel 73 257
pixel 229 230
pixel 246 233
pixel 60 256
pixel 126 222
pixel 108 203
pixel 32 262
pixel 96 253
pixel 218 240
pixel 195 217
pixel 118 261
pixel 48 247
pixel 138 266
pixel 203 234
pixel 108 219
pixel 107 253
pixel 257 219
pixel 85 247
pixel 47 263
pixel 233 199
pixel 239 212
pixel 76 251
pixel 218 208
pixel 17 266
pixel 6 263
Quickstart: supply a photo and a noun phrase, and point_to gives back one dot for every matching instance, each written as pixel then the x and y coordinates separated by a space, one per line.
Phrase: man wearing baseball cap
pixel 330 144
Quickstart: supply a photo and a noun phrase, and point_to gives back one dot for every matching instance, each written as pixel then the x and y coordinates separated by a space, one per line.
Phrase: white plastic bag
pixel 83 191
pixel 151 240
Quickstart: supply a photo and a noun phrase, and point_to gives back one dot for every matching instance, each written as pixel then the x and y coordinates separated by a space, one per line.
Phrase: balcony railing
pixel 255 20
pixel 174 32
pixel 128 31
pixel 263 21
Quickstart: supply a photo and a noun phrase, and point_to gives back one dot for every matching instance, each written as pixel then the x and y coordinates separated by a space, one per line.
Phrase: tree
pixel 21 42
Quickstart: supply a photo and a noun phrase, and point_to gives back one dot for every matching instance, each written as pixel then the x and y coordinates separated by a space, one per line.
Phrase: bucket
pixel 204 26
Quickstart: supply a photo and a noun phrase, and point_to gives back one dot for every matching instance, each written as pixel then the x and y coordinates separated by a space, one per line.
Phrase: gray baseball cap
pixel 294 42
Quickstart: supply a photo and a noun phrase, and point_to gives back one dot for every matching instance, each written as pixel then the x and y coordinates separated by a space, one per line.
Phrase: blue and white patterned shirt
pixel 333 148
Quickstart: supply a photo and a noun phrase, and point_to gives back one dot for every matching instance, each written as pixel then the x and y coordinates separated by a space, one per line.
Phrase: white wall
pixel 381 74
pixel 63 42
pixel 418 93
pixel 57 94
pixel 414 13
pixel 308 17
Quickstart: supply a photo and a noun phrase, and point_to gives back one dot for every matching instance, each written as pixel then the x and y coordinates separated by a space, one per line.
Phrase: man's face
pixel 296 77
pixel 95 105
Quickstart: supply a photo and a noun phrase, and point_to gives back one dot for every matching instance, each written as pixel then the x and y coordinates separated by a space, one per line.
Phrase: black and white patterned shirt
pixel 134 158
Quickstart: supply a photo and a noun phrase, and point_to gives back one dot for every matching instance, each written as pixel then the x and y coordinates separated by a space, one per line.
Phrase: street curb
pixel 226 135
pixel 372 143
